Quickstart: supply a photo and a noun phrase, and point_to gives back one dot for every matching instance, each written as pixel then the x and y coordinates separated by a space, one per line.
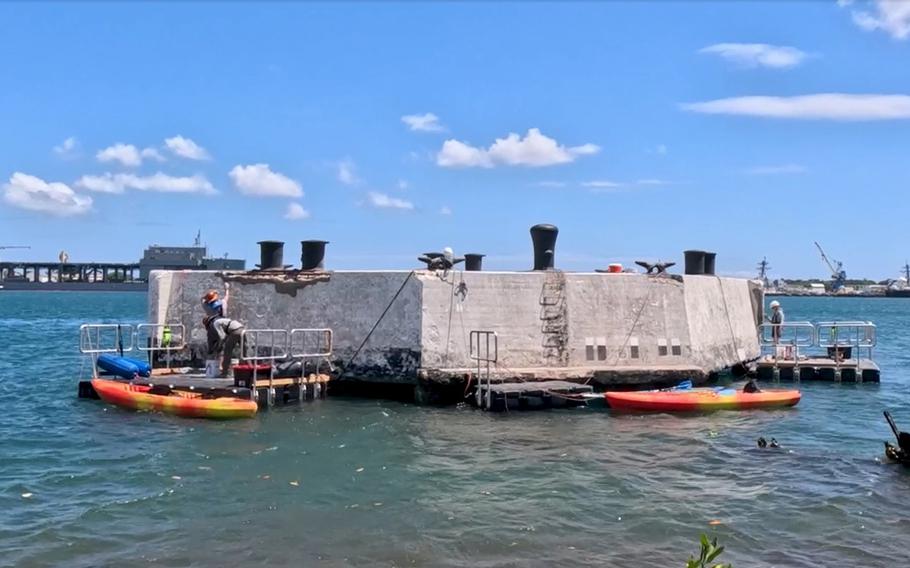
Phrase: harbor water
pixel 348 482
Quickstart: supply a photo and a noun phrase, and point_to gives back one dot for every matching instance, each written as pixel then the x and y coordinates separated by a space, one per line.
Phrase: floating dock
pixel 276 367
pixel 537 395
pixel 826 351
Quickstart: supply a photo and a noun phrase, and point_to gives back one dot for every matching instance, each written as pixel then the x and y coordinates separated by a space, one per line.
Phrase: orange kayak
pixel 178 403
pixel 700 400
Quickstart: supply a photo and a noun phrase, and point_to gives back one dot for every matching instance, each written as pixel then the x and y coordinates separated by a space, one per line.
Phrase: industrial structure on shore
pixel 432 331
pixel 110 276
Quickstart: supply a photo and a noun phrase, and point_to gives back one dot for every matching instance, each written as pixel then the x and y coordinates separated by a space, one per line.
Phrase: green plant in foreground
pixel 709 551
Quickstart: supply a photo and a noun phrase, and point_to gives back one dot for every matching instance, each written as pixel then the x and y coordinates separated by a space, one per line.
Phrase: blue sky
pixel 640 129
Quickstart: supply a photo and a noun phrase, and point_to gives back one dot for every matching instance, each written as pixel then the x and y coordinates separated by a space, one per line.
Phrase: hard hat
pixel 210 296
pixel 775 304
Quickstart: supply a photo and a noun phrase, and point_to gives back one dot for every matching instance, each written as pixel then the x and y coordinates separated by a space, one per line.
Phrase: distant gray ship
pixel 108 276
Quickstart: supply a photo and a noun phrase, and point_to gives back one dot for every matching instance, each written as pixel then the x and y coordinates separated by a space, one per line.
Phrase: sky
pixel 640 129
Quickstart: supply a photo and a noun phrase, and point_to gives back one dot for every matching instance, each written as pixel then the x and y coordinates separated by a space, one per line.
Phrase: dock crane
pixel 838 274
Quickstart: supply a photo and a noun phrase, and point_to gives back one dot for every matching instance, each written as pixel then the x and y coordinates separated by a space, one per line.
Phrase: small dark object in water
pixel 895 454
pixel 762 443
pixel 899 454
pixel 774 443
pixel 751 386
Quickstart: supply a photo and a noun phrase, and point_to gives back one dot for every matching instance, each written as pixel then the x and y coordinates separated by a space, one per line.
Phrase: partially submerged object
pixel 695 400
pixel 172 401
pixel 901 452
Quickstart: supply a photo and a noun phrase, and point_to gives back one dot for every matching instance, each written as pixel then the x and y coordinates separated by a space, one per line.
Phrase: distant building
pixel 816 288
pixel 158 257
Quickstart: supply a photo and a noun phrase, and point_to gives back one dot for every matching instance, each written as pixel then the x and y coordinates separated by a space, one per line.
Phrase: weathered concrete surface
pixel 347 302
pixel 608 329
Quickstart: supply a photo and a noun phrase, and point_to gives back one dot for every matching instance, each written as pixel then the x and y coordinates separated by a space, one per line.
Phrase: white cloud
pixel 259 179
pixel 607 186
pixel 295 211
pixel 152 154
pixel 35 194
pixel 552 184
pixel 347 172
pixel 890 16
pixel 534 150
pixel 455 154
pixel 126 154
pixel 445 210
pixel 757 54
pixel 773 170
pixel 66 147
pixel 403 184
pixel 186 148
pixel 428 122
pixel 119 183
pixel 825 106
pixel 602 184
pixel 383 201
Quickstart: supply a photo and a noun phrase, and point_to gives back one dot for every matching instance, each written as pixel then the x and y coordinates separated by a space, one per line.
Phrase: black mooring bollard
pixel 312 254
pixel 271 255
pixel 695 261
pixel 544 239
pixel 473 262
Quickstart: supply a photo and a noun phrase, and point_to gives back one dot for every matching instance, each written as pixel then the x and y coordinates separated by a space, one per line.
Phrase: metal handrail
pixel 157 338
pixel 796 338
pixel 254 338
pixel 87 330
pixel 327 341
pixel 481 339
pixel 859 334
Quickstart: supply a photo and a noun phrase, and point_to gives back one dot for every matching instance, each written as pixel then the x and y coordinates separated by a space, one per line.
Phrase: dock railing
pixel 266 345
pixel 98 338
pixel 485 351
pixel 121 338
pixel 793 335
pixel 845 340
pixel 164 338
pixel 311 344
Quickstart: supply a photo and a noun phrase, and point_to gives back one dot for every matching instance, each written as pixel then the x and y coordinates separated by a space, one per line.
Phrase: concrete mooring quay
pixel 410 331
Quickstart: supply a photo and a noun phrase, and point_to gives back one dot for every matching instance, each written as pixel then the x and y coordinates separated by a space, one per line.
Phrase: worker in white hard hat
pixel 776 319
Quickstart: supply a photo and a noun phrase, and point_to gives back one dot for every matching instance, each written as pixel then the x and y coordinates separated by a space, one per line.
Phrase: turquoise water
pixel 392 484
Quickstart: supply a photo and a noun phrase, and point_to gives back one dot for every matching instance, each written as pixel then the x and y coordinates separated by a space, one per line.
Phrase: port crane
pixel 838 274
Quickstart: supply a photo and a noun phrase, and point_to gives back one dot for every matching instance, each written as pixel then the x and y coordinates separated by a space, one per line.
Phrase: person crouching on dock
pixel 223 336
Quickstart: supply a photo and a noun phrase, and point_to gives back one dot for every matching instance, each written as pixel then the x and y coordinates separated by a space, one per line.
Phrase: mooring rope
pixel 375 325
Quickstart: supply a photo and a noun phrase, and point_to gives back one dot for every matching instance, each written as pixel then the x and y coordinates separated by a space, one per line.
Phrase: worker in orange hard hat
pixel 212 305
